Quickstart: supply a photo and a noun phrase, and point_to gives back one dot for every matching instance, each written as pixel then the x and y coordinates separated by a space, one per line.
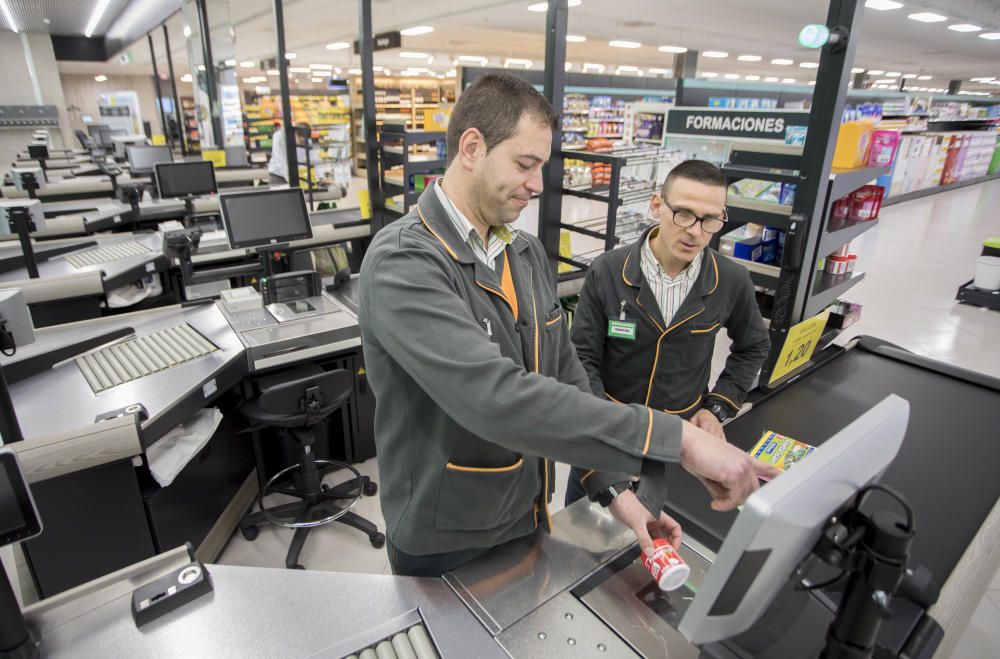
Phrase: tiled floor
pixel 915 259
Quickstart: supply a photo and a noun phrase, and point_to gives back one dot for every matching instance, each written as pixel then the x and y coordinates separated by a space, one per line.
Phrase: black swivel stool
pixel 295 402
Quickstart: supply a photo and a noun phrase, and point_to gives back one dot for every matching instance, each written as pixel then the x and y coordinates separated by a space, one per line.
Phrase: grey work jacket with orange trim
pixel 666 366
pixel 474 402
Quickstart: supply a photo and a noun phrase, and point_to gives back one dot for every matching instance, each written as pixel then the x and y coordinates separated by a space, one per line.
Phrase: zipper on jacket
pixel 488 326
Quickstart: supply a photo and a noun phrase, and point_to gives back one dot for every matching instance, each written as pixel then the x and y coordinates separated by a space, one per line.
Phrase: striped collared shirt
pixel 499 237
pixel 669 293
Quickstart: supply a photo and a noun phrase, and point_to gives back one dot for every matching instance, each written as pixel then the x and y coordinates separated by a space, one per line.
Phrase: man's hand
pixel 629 511
pixel 709 423
pixel 729 474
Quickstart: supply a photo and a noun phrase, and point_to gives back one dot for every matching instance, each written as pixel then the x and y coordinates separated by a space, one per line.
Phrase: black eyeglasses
pixel 685 218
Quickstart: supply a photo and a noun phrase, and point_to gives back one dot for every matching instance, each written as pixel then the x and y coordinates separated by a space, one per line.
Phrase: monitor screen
pixel 142 159
pixel 185 178
pixel 257 219
pixel 18 515
pixel 94 129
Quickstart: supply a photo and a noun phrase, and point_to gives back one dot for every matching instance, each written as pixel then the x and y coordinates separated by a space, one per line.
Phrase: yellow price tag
pixel 365 204
pixel 159 140
pixel 215 156
pixel 799 346
pixel 565 250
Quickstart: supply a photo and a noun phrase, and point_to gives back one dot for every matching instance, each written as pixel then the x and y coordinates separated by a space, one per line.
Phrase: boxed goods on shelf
pixel 853 144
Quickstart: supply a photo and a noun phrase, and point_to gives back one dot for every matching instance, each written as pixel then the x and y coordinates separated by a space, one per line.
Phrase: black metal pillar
pixel 366 48
pixel 173 89
pixel 954 86
pixel 550 208
pixel 286 107
pixel 210 87
pixel 686 65
pixel 811 202
pixel 156 83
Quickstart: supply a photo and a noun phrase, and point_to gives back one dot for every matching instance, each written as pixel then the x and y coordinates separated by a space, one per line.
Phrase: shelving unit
pixel 403 153
pixel 398 100
pixel 191 133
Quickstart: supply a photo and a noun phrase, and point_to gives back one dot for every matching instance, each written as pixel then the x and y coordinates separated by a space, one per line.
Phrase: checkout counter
pixel 122 383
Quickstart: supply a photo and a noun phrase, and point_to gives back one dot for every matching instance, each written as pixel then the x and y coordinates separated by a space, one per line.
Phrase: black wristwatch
pixel 720 412
pixel 606 496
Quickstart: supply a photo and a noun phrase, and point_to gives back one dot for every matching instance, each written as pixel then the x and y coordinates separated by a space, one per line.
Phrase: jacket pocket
pixel 554 317
pixel 706 329
pixel 479 498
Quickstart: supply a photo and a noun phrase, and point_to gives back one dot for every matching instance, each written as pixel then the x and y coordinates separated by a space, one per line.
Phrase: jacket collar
pixel 434 217
pixel 708 278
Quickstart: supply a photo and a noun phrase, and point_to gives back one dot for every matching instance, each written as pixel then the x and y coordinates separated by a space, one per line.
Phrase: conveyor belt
pixel 414 643
pixel 106 254
pixel 142 356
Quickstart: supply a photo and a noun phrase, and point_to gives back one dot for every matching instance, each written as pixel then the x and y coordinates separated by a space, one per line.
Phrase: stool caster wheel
pixel 250 532
pixel 324 487
pixel 377 540
pixel 371 488
pixel 296 566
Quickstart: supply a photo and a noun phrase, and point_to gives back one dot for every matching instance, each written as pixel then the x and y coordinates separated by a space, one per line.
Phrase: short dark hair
pixel 494 104
pixel 700 171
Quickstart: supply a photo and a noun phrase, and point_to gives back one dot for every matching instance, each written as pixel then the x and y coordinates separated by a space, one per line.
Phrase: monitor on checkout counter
pixel 143 158
pixel 186 180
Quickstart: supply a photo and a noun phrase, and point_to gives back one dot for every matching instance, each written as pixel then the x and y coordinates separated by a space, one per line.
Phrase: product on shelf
pixel 576 174
pixel 883 150
pixel 742 103
pixel 753 242
pixel 866 202
pixel 853 144
pixel 599 145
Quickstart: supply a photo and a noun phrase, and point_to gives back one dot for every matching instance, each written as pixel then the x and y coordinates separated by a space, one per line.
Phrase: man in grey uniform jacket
pixel 645 326
pixel 477 384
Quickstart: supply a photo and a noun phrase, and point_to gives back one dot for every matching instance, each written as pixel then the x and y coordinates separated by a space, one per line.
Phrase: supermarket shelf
pixel 612 109
pixel 845 181
pixel 841 232
pixel 917 194
pixel 617 136
pixel 596 193
pixel 576 111
pixel 762 173
pixel 759 212
pixel 827 288
pixel 608 120
pixel 762 274
pixel 646 140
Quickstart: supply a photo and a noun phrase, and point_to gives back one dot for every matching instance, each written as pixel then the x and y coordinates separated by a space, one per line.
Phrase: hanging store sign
pixel 384 41
pixel 735 123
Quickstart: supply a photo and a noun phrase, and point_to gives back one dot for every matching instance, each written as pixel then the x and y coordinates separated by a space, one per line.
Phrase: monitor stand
pixel 15 638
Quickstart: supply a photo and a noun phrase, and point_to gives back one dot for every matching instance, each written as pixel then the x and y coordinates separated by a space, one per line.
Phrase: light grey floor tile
pixel 981 639
pixel 995 584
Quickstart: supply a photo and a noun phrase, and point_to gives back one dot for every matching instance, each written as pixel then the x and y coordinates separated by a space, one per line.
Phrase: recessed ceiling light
pixel 812 82
pixel 474 59
pixel 95 17
pixel 186 77
pixel 857 69
pixel 982 79
pixel 808 65
pixel 567 66
pixel 731 76
pixel 749 58
pixel 328 67
pixel 290 56
pixel 751 78
pixel 708 74
pixel 884 81
pixel 338 45
pixel 273 72
pixel 414 31
pixel 876 72
pixel 575 38
pixel 717 54
pixel 187 30
pixel 660 72
pixel 992 36
pixel 782 62
pixel 544 6
pixel 788 81
pixel 100 78
pixel 924 77
pixel 409 54
pixel 771 79
pixel 909 76
pixel 883 5
pixel 299 69
pixel 513 61
pixel 627 68
pixel 672 49
pixel 964 27
pixel 354 72
pixel 230 62
pixel 201 67
pixel 247 64
pixel 892 74
pixel 597 67
pixel 317 79
pixel 927 17
pixel 625 44
pixel 10 17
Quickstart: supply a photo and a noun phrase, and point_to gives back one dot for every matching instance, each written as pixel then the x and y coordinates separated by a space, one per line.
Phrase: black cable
pixel 863 492
pixel 829 582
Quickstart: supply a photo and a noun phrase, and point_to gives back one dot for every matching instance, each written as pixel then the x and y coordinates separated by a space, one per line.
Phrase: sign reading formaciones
pixel 734 123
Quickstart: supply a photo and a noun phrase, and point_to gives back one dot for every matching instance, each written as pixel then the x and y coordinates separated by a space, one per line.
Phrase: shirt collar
pixel 649 258
pixel 462 224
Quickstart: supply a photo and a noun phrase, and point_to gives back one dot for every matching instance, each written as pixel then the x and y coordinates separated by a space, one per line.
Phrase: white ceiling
pixel 501 29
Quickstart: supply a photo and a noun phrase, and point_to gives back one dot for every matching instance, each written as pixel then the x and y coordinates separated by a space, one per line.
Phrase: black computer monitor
pixel 94 129
pixel 177 179
pixel 258 219
pixel 142 158
pixel 38 151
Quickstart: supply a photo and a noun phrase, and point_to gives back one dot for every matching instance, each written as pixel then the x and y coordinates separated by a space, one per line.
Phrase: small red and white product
pixel 666 566
pixel 837 265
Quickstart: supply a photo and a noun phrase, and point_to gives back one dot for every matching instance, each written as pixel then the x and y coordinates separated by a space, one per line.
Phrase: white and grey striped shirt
pixel 669 293
pixel 499 237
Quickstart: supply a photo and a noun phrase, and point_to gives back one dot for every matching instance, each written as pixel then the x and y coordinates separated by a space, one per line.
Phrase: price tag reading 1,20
pixel 799 346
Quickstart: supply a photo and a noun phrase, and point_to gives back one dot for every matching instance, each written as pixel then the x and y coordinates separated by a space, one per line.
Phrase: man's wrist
pixel 608 494
pixel 717 409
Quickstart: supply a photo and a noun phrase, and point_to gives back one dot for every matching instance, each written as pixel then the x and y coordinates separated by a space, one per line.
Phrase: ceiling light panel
pixel 927 17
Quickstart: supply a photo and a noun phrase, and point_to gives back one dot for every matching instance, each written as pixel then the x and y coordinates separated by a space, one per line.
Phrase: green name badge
pixel 621 329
